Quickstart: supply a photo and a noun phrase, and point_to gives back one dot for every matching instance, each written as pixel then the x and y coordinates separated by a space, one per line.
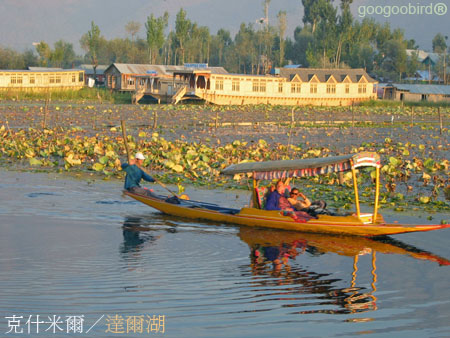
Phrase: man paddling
pixel 135 174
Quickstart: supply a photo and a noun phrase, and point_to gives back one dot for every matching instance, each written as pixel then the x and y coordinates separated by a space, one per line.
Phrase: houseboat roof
pixel 32 70
pixel 89 69
pixel 422 88
pixel 141 69
pixel 161 70
pixel 323 75
pixel 208 70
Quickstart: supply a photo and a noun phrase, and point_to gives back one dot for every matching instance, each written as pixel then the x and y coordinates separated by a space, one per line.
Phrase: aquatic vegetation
pixel 191 144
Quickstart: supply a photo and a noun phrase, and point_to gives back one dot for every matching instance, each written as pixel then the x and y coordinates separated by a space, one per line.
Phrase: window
pixel 80 77
pixel 73 78
pixel 347 88
pixel 58 79
pixel 52 79
pixel 262 86
pixel 219 83
pixel 255 86
pixel 296 88
pixel 331 88
pixel 362 88
pixel 313 88
pixel 280 87
pixel 32 79
pixel 13 79
pixel 235 85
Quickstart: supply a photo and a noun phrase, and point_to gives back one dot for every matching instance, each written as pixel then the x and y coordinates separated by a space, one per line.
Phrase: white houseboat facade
pixel 41 79
pixel 301 86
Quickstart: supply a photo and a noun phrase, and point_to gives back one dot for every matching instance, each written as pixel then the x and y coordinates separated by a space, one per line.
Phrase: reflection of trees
pixel 274 261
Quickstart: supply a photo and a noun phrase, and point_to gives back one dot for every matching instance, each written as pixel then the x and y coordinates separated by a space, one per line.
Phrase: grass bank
pixel 393 104
pixel 82 95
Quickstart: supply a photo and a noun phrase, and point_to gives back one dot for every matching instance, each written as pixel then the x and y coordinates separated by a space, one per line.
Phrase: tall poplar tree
pixel 155 34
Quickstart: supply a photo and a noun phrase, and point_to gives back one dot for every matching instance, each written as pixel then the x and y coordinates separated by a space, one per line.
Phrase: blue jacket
pixel 273 201
pixel 134 176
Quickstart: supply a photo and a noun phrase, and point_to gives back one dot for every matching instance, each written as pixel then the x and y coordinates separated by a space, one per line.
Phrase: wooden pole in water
pixel 44 122
pixel 353 116
pixel 155 119
pixel 440 120
pixel 125 141
pixel 217 117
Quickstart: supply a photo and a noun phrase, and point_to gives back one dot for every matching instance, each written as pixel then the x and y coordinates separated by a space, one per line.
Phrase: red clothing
pixel 284 204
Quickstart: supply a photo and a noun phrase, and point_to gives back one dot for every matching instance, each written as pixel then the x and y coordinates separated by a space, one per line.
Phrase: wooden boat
pixel 358 223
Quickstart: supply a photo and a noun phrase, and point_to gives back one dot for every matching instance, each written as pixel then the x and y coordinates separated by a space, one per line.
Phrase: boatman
pixel 135 174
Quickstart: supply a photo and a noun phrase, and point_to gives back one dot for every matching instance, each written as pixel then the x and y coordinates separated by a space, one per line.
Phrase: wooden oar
pixel 124 134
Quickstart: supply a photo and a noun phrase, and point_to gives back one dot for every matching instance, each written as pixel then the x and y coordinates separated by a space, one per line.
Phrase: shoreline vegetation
pixel 104 95
pixel 192 143
pixel 95 95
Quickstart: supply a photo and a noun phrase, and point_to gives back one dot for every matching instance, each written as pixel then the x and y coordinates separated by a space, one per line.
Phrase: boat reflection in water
pixel 273 251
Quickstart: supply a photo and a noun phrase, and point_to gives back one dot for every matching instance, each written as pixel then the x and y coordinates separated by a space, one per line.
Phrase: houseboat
pixel 287 86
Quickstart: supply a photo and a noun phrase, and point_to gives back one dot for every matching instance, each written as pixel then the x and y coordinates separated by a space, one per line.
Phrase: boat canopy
pixel 305 167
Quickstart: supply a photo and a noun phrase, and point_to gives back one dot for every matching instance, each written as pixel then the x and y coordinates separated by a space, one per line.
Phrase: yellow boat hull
pixel 348 225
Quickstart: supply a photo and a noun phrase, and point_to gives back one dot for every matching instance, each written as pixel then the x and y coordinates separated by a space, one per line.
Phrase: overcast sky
pixel 23 22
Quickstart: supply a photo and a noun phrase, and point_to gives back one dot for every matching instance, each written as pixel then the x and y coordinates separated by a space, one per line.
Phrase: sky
pixel 23 22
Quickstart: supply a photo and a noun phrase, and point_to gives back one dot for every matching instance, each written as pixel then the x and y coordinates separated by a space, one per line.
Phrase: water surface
pixel 73 247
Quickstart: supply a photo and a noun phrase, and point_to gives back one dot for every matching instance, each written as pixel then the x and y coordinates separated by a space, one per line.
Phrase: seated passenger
pixel 276 199
pixel 304 203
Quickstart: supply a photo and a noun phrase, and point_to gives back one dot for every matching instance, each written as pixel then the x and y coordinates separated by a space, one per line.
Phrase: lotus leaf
pixel 35 161
pixel 424 199
pixel 104 160
pixel 98 166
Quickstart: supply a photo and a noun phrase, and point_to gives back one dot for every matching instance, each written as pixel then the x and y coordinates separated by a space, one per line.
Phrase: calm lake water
pixel 78 252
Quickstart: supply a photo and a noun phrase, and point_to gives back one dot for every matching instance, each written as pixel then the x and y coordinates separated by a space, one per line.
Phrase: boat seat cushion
pixel 260 193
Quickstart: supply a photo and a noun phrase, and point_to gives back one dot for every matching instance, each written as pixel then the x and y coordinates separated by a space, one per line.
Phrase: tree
pixel 220 44
pixel 315 11
pixel 132 28
pixel 44 52
pixel 29 58
pixel 182 28
pixel 411 44
pixel 412 64
pixel 91 43
pixel 439 43
pixel 344 29
pixel 282 30
pixel 266 12
pixel 155 34
pixel 62 55
pixel 296 51
pixel 395 57
pixel 10 59
pixel 245 48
